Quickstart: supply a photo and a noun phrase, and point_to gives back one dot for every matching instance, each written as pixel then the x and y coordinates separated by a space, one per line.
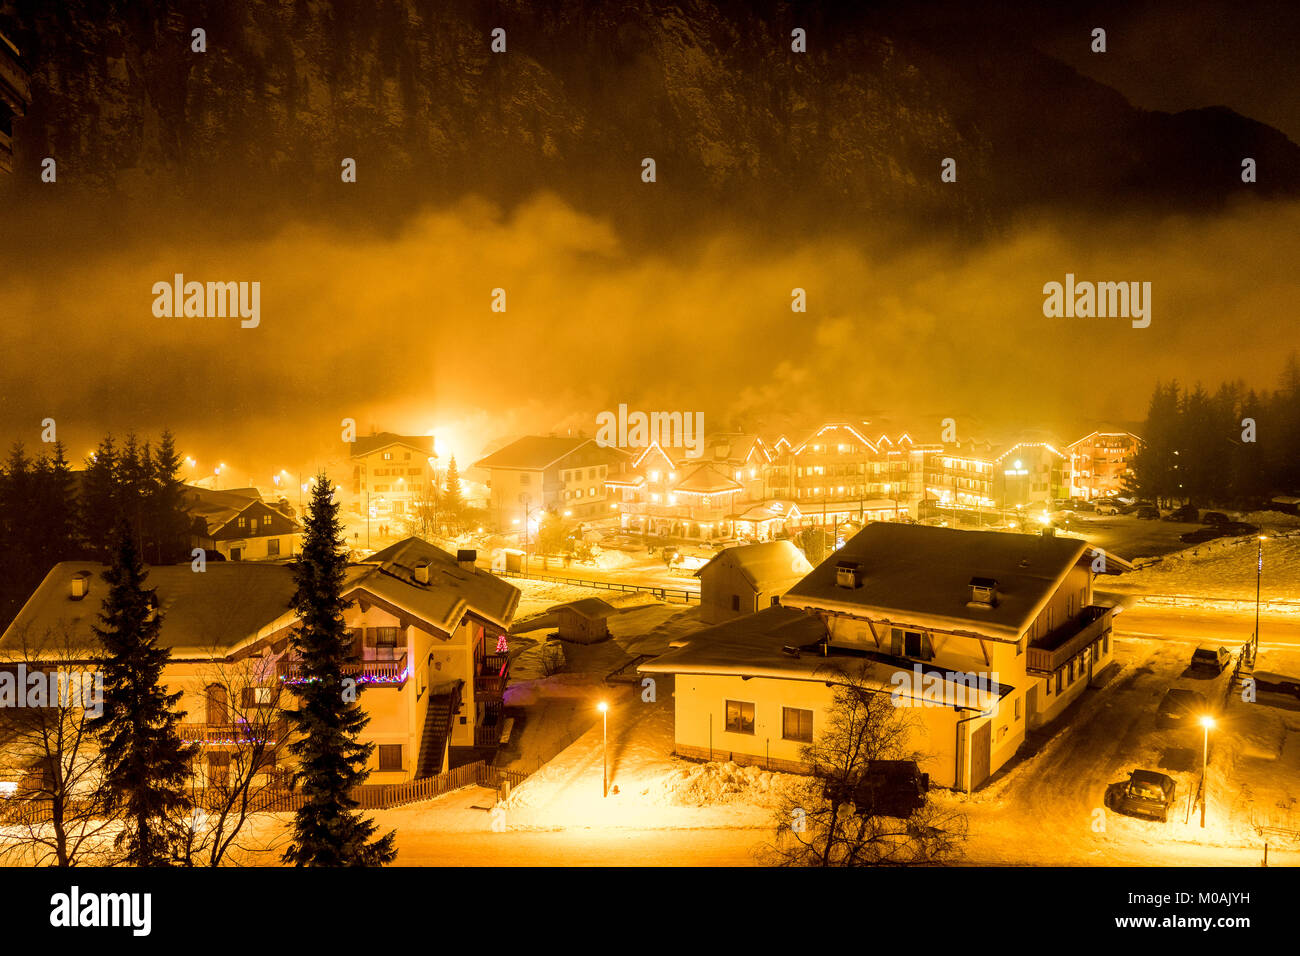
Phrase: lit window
pixel 740 717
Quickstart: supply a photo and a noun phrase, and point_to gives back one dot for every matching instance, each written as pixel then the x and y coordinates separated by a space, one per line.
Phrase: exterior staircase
pixel 444 701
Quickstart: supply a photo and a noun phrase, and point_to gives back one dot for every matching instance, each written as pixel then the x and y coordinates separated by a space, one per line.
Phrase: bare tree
pixel 57 815
pixel 818 823
pixel 236 780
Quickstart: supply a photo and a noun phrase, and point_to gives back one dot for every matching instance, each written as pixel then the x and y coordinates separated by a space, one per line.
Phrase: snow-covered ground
pixel 1226 569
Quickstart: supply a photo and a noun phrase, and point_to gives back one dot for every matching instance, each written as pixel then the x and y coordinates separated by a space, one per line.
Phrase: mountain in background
pixel 849 135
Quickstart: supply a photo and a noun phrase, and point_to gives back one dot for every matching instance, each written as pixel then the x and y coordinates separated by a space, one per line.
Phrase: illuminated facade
pixel 391 473
pixel 1101 463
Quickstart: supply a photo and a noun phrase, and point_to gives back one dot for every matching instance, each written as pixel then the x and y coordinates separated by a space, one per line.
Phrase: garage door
pixel 981 752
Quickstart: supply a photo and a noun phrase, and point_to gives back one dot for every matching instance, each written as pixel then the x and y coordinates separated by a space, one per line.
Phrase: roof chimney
pixel 80 585
pixel 422 573
pixel 466 558
pixel 848 574
pixel 983 593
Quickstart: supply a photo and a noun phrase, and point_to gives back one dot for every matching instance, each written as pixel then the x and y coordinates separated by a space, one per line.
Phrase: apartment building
pixel 391 473
pixel 1101 463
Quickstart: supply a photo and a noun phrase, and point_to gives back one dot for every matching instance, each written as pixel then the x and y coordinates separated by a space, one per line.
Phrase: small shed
pixel 585 621
pixel 748 578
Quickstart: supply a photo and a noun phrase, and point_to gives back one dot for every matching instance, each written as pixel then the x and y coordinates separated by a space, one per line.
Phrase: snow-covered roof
pixel 785 643
pixel 921 575
pixel 707 480
pixel 768 510
pixel 369 444
pixel 592 609
pixel 233 604
pixel 390 574
pixel 218 508
pixel 219 610
pixel 766 565
pixel 532 453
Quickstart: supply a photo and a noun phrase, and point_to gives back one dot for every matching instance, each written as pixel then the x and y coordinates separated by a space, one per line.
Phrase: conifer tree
pixel 328 830
pixel 99 500
pixel 169 523
pixel 453 502
pixel 146 766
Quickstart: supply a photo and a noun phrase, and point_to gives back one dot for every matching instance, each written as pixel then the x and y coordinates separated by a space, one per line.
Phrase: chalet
pixel 748 578
pixel 546 473
pixel 392 474
pixel 239 525
pixel 904 607
pixel 428 653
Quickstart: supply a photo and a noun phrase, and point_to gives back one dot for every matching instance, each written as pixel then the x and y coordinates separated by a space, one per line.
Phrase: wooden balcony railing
pixel 231 734
pixel 381 673
pixel 491 675
pixel 1055 650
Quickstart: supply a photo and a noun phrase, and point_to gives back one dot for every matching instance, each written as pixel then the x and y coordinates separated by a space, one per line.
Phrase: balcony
pixel 231 735
pixel 392 673
pixel 1055 650
pixel 490 675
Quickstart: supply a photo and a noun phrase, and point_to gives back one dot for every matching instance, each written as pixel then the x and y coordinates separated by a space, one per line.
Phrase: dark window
pixel 735 602
pixel 740 717
pixel 273 548
pixel 776 600
pixel 1060 675
pixel 390 756
pixel 917 644
pixel 796 724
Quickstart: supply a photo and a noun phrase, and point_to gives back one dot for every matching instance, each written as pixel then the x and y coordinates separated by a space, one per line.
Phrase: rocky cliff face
pixel 850 133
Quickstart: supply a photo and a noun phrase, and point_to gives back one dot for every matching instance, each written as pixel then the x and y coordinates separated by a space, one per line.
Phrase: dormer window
pixel 848 574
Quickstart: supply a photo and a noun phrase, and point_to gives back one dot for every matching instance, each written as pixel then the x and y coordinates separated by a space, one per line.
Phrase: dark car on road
pixel 1148 512
pixel 1147 794
pixel 1181 708
pixel 1187 513
pixel 1239 527
pixel 1208 658
pixel 1214 518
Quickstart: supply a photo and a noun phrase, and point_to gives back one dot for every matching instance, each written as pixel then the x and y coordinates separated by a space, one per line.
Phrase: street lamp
pixel 1259 573
pixel 1207 722
pixel 604 748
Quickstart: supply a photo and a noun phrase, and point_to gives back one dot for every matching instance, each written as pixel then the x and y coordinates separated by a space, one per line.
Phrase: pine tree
pixel 99 501
pixel 453 501
pixel 327 829
pixel 145 764
pixel 169 523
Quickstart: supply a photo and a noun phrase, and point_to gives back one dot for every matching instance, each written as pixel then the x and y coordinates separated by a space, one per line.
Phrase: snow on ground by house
pixel 1225 568
pixel 649 788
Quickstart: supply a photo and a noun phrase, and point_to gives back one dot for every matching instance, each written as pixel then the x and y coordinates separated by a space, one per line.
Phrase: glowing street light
pixel 1207 722
pixel 1259 573
pixel 604 747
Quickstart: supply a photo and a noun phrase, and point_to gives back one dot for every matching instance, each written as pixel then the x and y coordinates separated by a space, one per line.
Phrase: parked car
pixel 1134 507
pixel 1234 528
pixel 1214 518
pixel 1147 794
pixel 1180 708
pixel 1187 513
pixel 1148 512
pixel 1200 535
pixel 1107 506
pixel 1209 658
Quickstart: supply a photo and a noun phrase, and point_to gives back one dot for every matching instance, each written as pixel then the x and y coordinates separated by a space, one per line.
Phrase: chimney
pixel 983 593
pixel 80 585
pixel 466 558
pixel 848 574
pixel 422 573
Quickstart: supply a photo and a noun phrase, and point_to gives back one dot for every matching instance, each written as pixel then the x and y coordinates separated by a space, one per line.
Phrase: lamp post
pixel 1259 573
pixel 604 748
pixel 1206 722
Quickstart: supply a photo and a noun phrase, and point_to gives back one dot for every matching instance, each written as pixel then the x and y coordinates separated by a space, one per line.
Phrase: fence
pixel 666 594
